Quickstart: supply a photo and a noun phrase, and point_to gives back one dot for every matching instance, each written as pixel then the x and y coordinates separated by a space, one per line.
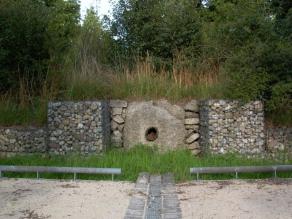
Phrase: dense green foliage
pixel 147 49
pixel 34 36
pixel 160 28
pixel 141 159
pixel 249 40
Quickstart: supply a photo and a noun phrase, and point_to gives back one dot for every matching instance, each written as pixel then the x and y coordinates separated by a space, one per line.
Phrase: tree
pixel 159 28
pixel 62 28
pixel 23 51
pixel 34 35
pixel 92 49
pixel 258 52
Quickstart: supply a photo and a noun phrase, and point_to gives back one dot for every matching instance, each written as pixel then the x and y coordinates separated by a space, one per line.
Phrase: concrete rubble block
pixel 175 110
pixel 154 124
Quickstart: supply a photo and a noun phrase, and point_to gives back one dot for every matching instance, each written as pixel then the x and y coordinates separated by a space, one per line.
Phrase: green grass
pixel 280 118
pixel 149 88
pixel 11 113
pixel 140 159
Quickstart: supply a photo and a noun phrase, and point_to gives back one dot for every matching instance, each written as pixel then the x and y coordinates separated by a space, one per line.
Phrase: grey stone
pixel 189 114
pixel 117 111
pixel 79 127
pixel 15 140
pixel 192 138
pixel 194 145
pixel 196 152
pixel 117 134
pixel 192 121
pixel 118 119
pixel 192 127
pixel 188 132
pixel 144 115
pixel 121 128
pixel 279 142
pixel 93 106
pixel 118 104
pixel 114 125
pixel 231 126
pixel 192 106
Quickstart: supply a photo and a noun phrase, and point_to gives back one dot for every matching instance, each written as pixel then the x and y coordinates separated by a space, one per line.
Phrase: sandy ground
pixel 236 199
pixel 42 199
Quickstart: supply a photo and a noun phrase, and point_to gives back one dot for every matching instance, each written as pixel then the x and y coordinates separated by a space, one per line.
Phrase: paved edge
pixel 170 202
pixel 137 205
pixel 154 197
pixel 154 201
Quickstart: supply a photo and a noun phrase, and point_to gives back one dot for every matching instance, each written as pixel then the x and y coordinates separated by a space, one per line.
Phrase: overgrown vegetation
pixel 142 159
pixel 148 49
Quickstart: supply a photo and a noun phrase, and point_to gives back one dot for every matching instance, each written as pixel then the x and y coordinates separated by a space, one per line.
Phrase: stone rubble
pixel 192 121
pixel 118 110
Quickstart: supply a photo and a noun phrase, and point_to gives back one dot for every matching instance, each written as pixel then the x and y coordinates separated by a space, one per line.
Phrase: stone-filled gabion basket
pixel 82 127
pixel 90 127
pixel 15 140
pixel 232 127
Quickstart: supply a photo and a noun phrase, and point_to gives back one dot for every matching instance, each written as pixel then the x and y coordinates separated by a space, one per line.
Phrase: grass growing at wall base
pixel 12 113
pixel 140 159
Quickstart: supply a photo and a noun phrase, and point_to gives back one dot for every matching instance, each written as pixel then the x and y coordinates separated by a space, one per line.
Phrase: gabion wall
pixel 22 140
pixel 279 142
pixel 89 127
pixel 82 127
pixel 230 126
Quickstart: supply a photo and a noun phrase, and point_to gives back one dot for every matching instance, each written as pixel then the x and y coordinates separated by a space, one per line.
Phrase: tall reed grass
pixel 87 79
pixel 143 81
pixel 27 105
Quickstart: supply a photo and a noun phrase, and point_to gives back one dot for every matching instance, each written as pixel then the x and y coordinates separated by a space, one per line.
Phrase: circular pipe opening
pixel 151 134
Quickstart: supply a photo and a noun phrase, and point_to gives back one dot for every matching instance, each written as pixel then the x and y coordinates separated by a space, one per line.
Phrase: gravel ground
pixel 262 199
pixel 42 199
